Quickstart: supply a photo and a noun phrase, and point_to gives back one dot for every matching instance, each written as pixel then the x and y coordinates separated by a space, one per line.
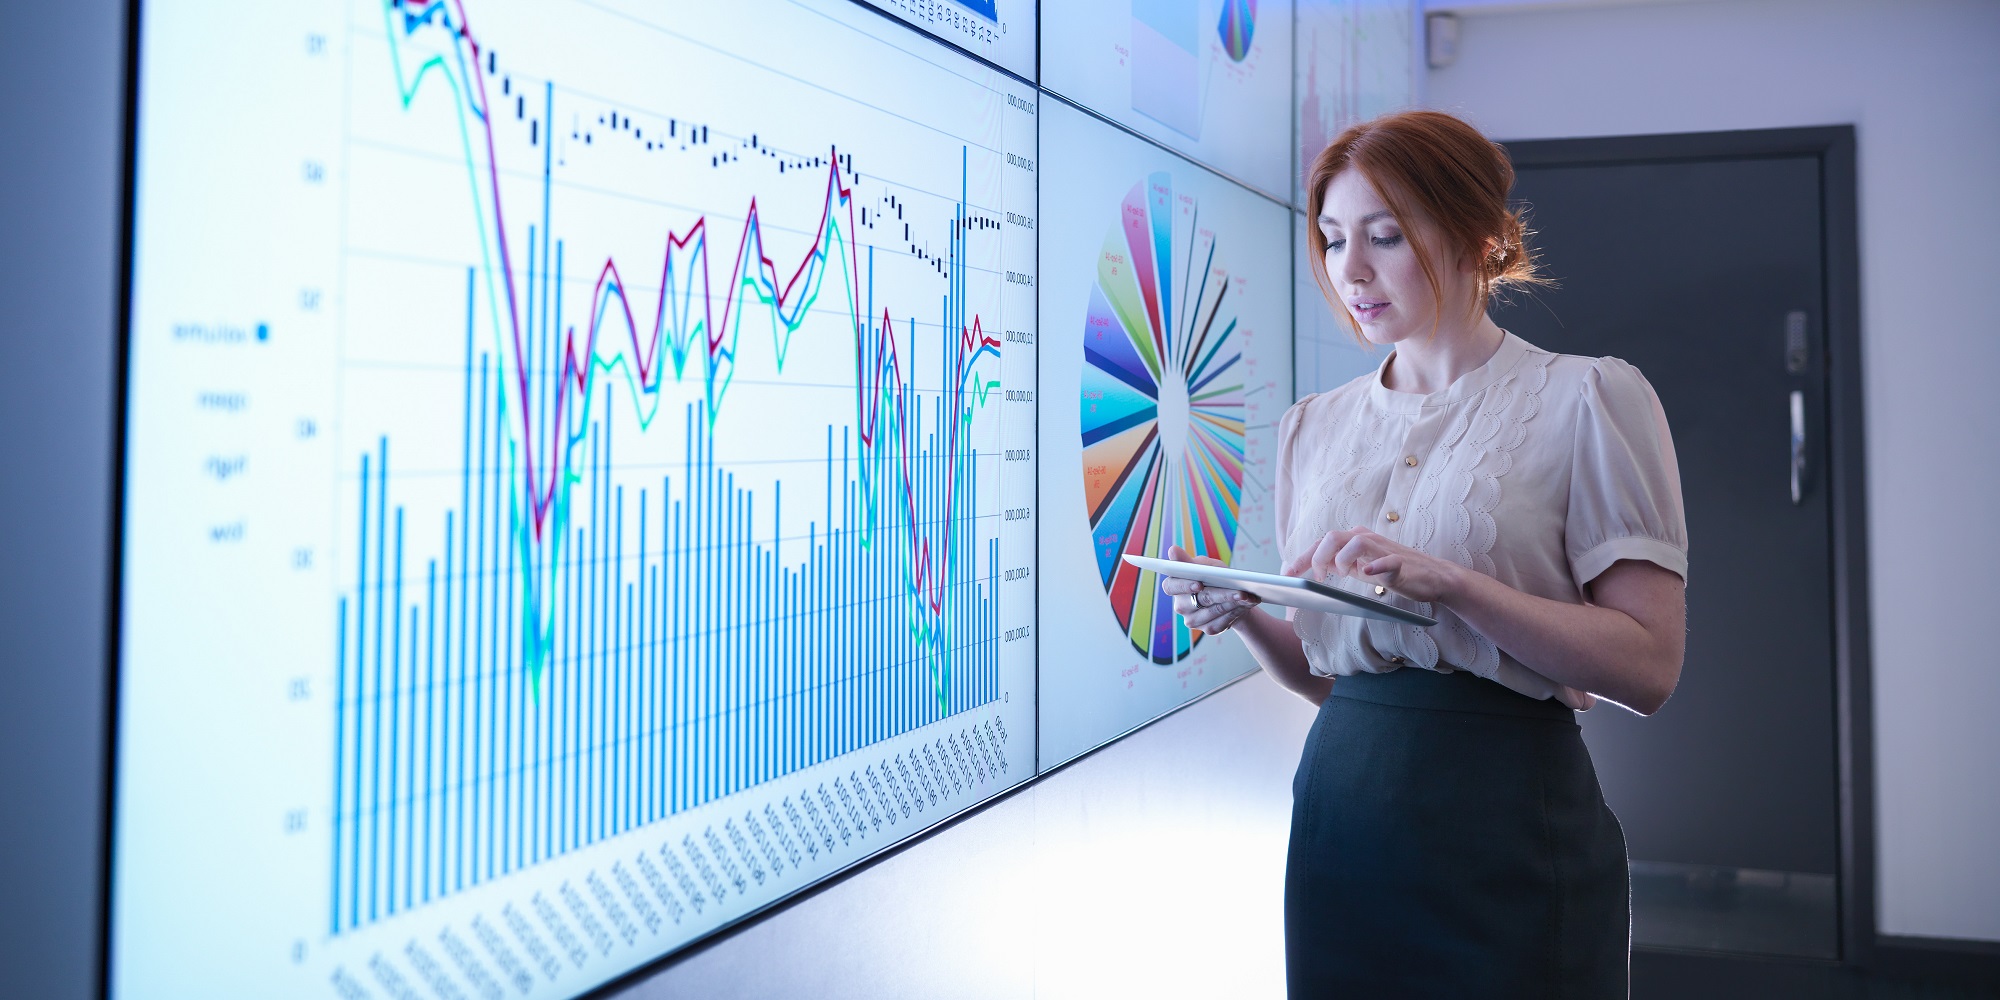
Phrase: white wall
pixel 1152 868
pixel 1920 81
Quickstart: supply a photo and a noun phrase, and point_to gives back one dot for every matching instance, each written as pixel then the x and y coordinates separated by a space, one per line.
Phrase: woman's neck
pixel 1427 364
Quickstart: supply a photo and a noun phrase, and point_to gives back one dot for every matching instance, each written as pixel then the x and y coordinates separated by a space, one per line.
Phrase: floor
pixel 1659 975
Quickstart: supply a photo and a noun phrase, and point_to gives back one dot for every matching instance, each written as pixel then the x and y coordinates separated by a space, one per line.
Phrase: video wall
pixel 595 468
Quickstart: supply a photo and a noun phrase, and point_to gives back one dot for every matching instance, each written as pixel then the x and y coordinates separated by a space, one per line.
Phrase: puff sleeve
pixel 1625 483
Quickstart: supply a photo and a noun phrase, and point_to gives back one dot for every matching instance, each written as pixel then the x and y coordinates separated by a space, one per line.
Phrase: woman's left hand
pixel 1371 558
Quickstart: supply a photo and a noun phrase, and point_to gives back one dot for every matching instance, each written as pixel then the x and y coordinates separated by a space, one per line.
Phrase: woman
pixel 1448 835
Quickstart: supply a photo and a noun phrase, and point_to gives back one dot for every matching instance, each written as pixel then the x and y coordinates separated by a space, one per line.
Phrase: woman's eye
pixel 1388 241
pixel 1335 245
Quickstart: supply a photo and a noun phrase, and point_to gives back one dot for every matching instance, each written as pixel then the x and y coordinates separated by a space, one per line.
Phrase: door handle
pixel 1798 446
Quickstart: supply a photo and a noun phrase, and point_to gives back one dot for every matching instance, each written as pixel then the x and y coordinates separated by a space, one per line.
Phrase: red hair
pixel 1429 165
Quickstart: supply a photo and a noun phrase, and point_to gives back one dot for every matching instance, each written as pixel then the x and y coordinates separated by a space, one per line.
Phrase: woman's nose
pixel 1353 266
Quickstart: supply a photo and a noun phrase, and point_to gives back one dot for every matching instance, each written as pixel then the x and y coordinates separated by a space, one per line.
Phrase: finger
pixel 1391 569
pixel 1199 615
pixel 1302 564
pixel 1178 585
pixel 1207 620
pixel 1228 621
pixel 1360 546
pixel 1297 564
pixel 1387 570
pixel 1209 617
pixel 1218 597
pixel 1319 559
pixel 1328 561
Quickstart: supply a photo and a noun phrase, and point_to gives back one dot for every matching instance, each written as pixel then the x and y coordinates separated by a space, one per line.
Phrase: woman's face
pixel 1374 267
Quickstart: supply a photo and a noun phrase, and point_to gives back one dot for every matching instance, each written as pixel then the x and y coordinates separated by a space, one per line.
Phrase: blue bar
pixel 409 865
pixel 505 661
pixel 339 723
pixel 592 732
pixel 601 609
pixel 360 645
pixel 648 594
pixel 445 788
pixel 680 663
pixel 621 696
pixel 628 716
pixel 477 667
pixel 496 661
pixel 430 712
pixel 573 800
pixel 374 705
pixel 732 661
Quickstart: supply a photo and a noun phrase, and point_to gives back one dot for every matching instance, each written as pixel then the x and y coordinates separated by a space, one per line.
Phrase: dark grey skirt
pixel 1449 839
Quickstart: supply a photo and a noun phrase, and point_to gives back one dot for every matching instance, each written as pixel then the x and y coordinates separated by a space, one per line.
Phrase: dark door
pixel 1708 275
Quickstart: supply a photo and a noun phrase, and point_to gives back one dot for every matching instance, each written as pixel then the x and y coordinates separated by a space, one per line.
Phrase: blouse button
pixel 1393 516
pixel 1395 659
pixel 1410 460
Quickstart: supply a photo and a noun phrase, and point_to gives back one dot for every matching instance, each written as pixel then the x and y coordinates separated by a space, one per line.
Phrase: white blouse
pixel 1537 469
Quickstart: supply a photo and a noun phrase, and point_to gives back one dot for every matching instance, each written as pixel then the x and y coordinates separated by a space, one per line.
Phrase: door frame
pixel 1833 146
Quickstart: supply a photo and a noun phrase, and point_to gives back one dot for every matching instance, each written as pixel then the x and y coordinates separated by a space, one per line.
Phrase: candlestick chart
pixel 667 535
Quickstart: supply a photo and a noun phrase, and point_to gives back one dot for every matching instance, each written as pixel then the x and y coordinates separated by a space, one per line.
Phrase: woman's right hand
pixel 1207 609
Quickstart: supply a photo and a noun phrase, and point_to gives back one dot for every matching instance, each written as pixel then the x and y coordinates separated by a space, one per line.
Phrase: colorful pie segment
pixel 1162 407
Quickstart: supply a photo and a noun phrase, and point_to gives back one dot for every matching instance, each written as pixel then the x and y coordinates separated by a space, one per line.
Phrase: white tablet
pixel 1287 590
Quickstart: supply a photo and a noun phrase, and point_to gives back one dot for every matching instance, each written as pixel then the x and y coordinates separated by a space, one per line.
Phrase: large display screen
pixel 1166 347
pixel 579 480
pixel 1002 31
pixel 1355 60
pixel 1210 78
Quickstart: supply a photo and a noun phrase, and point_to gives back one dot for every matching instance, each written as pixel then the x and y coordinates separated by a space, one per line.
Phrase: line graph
pixel 622 515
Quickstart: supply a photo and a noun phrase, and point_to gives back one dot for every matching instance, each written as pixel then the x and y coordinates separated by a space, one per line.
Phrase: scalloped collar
pixel 1472 383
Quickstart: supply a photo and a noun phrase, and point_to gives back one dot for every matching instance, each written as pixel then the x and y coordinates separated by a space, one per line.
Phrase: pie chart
pixel 1162 406
pixel 1237 27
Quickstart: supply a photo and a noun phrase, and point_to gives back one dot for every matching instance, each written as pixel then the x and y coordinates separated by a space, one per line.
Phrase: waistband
pixel 1459 691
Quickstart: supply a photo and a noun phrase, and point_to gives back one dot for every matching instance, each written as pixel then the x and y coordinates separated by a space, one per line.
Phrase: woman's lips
pixel 1366 310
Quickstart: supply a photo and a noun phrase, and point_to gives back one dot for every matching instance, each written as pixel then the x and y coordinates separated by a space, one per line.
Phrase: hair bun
pixel 1512 264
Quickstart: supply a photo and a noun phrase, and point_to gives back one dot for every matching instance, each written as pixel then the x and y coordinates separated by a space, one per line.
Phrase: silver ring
pixel 1198 595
